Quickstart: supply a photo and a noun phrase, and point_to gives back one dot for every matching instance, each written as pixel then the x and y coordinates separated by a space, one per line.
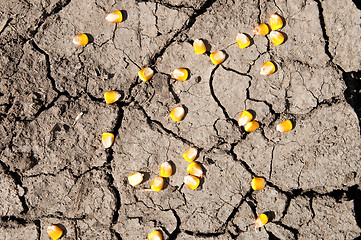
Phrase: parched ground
pixel 54 169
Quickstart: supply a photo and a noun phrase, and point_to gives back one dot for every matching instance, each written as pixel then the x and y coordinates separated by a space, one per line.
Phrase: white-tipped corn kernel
pixel 135 179
pixel 191 181
pixel 243 40
pixel 112 96
pixel 276 37
pixel 165 169
pixel 267 68
pixel 114 17
pixel 251 126
pixel 199 47
pixel 284 126
pixel 258 183
pixel 81 39
pixel 177 113
pixel 145 74
pixel 180 74
pixel 156 235
pixel 261 220
pixel 261 29
pixel 275 21
pixel 191 154
pixel 244 118
pixel 157 184
pixel 107 139
pixel 195 169
pixel 54 232
pixel 217 57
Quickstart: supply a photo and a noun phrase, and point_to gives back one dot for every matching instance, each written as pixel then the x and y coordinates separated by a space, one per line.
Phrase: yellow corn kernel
pixel 54 232
pixel 191 154
pixel 157 184
pixel 114 17
pixel 199 47
pixel 177 113
pixel 195 169
pixel 258 183
pixel 276 37
pixel 191 181
pixel 165 169
pixel 145 74
pixel 275 21
pixel 243 40
pixel 80 39
pixel 217 57
pixel 284 126
pixel 261 29
pixel 107 139
pixel 156 235
pixel 251 126
pixel 112 96
pixel 180 74
pixel 135 179
pixel 244 118
pixel 261 220
pixel 267 68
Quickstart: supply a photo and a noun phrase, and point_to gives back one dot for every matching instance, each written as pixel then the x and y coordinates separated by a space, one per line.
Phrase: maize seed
pixel 267 68
pixel 135 179
pixel 177 113
pixel 261 220
pixel 251 126
pixel 191 181
pixel 195 169
pixel 112 96
pixel 80 39
pixel 191 154
pixel 258 183
pixel 199 47
pixel 156 235
pixel 165 169
pixel 145 74
pixel 244 118
pixel 157 184
pixel 217 57
pixel 275 21
pixel 54 232
pixel 180 74
pixel 284 126
pixel 114 17
pixel 276 37
pixel 107 139
pixel 261 29
pixel 243 40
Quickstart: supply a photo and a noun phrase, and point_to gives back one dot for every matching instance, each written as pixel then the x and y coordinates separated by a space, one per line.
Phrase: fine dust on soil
pixel 55 171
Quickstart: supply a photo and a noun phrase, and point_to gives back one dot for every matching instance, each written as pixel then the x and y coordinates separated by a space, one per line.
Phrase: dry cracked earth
pixel 54 169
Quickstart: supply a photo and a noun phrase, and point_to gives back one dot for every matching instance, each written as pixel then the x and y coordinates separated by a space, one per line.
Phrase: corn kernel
pixel 195 169
pixel 284 126
pixel 276 37
pixel 111 96
pixel 261 220
pixel 157 184
pixel 275 21
pixel 217 57
pixel 244 118
pixel 80 39
pixel 165 169
pixel 180 74
pixel 177 113
pixel 258 183
pixel 54 232
pixel 191 181
pixel 135 179
pixel 261 29
pixel 107 139
pixel 156 235
pixel 267 68
pixel 114 17
pixel 199 47
pixel 243 40
pixel 191 154
pixel 145 74
pixel 251 126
